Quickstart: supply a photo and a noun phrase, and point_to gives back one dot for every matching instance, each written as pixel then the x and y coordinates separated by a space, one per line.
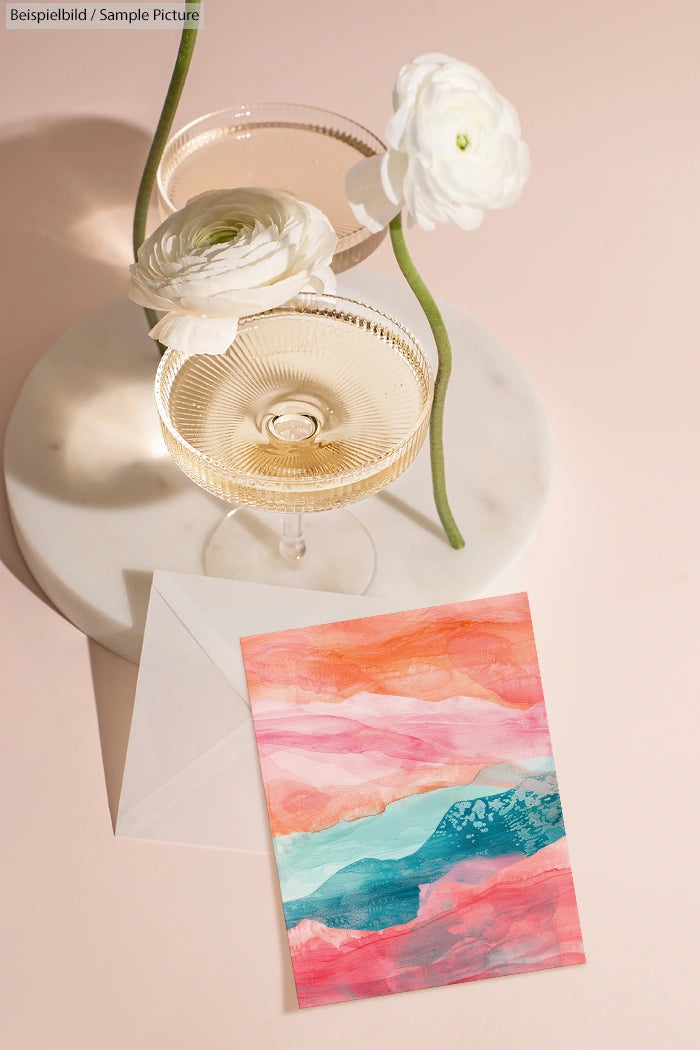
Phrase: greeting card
pixel 413 800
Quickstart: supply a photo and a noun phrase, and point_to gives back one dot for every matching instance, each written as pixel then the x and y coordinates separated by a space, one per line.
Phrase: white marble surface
pixel 97 504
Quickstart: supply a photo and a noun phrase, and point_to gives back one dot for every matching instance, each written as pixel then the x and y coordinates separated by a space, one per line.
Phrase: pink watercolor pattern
pixel 353 719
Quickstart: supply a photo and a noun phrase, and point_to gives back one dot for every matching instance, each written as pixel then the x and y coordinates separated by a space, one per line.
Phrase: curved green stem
pixel 444 351
pixel 165 123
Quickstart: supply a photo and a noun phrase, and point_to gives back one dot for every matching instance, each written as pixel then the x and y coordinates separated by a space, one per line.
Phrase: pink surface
pixel 591 280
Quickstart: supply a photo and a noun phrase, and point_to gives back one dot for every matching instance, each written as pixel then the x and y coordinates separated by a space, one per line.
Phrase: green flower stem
pixel 444 351
pixel 165 123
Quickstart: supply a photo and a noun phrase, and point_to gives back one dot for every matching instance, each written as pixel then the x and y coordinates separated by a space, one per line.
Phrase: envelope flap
pixel 219 612
pixel 184 706
pixel 213 616
pixel 191 771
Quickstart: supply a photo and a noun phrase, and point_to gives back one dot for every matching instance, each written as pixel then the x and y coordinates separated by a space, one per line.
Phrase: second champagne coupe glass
pixel 316 404
pixel 299 150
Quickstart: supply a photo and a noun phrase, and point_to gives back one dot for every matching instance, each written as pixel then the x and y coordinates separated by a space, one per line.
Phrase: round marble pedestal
pixel 97 504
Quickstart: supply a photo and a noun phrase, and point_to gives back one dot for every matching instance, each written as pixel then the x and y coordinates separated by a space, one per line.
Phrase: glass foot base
pixel 339 551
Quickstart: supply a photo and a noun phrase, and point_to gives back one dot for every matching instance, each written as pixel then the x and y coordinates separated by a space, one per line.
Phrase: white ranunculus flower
pixel 228 254
pixel 454 150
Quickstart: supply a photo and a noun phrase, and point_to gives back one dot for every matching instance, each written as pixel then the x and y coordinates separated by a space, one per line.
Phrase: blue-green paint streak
pixel 376 894
pixel 305 860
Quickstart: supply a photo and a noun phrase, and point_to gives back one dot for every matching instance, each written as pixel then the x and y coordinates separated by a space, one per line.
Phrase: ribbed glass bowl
pixel 316 404
pixel 299 150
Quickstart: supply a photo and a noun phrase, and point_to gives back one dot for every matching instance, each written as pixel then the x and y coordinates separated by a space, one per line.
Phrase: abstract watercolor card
pixel 413 800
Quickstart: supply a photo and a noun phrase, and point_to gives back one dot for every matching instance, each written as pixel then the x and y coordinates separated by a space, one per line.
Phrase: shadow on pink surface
pixel 71 184
pixel 114 681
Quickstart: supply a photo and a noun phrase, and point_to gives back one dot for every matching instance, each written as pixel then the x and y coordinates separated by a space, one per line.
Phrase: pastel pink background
pixel 591 280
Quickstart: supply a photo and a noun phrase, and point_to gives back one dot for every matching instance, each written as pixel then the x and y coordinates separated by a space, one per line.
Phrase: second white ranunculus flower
pixel 225 255
pixel 455 149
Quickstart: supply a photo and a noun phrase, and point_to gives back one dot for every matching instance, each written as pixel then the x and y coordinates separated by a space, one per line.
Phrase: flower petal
pixel 367 197
pixel 393 172
pixel 467 217
pixel 196 335
pixel 228 254
pixel 459 144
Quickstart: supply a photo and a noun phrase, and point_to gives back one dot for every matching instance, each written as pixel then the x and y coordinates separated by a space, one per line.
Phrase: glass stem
pixel 165 123
pixel 444 352
pixel 292 545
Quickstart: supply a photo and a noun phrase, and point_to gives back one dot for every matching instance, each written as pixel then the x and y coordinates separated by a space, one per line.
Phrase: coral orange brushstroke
pixel 301 807
pixel 484 651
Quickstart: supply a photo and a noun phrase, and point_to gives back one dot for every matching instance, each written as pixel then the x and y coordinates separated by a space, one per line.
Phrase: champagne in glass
pixel 316 404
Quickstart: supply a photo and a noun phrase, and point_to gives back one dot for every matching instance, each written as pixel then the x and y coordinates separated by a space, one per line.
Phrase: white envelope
pixel 192 773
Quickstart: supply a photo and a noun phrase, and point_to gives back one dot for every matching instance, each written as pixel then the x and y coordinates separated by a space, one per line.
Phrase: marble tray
pixel 97 504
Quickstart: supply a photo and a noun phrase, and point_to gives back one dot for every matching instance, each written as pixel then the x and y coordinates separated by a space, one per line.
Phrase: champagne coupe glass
pixel 299 150
pixel 315 404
